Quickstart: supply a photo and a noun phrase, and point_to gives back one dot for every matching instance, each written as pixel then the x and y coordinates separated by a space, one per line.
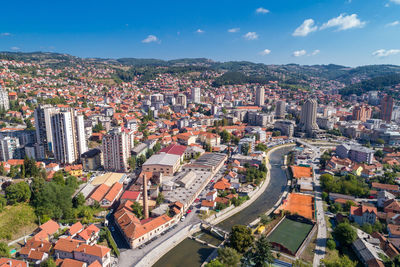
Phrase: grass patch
pixel 290 234
pixel 17 221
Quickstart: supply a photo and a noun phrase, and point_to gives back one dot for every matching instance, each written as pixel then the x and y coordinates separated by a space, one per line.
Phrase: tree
pixel 31 168
pixel 72 182
pixel 48 263
pixel 157 147
pixel 261 254
pixel 137 209
pixel 226 136
pixel 78 200
pixel 132 163
pixel 58 177
pixel 276 133
pixel 4 250
pixel 245 149
pixel 378 154
pixel 214 263
pixel 380 141
pixel 240 238
pixel 228 256
pixel 339 261
pixel 19 192
pixel 330 243
pixel 160 198
pixel 366 227
pixel 345 234
pixel 2 170
pixel 98 128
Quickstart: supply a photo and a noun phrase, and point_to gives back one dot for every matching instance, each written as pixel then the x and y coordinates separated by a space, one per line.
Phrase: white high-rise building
pixel 308 117
pixel 8 148
pixel 260 96
pixel 117 145
pixel 196 95
pixel 181 100
pixel 69 140
pixel 4 101
pixel 44 134
pixel 64 145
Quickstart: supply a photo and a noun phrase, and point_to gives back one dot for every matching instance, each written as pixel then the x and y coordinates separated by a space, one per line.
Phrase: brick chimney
pixel 145 199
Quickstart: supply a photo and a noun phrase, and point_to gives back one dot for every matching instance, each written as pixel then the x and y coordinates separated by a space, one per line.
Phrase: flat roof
pixel 109 178
pixel 209 159
pixel 162 159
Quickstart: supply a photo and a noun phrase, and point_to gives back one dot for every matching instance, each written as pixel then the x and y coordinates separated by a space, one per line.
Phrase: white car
pixel 183 218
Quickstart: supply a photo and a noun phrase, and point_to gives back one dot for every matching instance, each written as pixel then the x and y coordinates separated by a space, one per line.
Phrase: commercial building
pixel 260 96
pixel 116 148
pixel 92 159
pixel 166 164
pixel 386 108
pixel 286 127
pixel 308 117
pixel 355 153
pixel 210 162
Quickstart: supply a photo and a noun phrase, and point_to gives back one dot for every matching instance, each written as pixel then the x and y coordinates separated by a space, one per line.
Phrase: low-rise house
pixel 368 249
pixel 89 235
pixel 90 254
pixel 75 229
pixel 384 196
pixel 388 187
pixel 222 184
pixel 74 170
pixel 64 248
pixel 6 262
pixel 391 205
pixel 208 204
pixel 393 230
pixel 70 263
pixel 212 195
pixel 363 214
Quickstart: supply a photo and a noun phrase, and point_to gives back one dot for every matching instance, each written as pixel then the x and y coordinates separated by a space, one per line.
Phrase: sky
pixel 345 32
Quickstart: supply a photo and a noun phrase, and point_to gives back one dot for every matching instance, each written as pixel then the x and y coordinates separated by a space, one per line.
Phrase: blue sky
pixel 356 32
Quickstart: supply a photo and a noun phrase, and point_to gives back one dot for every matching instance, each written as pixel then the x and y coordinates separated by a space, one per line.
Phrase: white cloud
pixel 386 53
pixel 394 23
pixel 395 1
pixel 299 53
pixel 200 31
pixel 5 34
pixel 15 48
pixel 150 39
pixel 306 28
pixel 344 22
pixel 262 10
pixel 315 52
pixel 234 30
pixel 265 52
pixel 251 36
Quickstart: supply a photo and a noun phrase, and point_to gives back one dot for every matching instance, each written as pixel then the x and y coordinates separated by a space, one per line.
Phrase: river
pixel 192 253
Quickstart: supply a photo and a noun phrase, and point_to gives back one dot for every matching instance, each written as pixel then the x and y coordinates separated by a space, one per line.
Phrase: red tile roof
pixel 174 149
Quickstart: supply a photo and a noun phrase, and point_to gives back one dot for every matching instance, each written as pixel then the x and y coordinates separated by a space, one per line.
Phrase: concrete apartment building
pixel 9 148
pixel 116 148
pixel 4 101
pixel 308 117
pixel 260 96
pixel 280 109
pixel 196 95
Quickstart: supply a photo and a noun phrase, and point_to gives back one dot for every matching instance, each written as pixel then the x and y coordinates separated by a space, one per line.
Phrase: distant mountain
pixel 236 71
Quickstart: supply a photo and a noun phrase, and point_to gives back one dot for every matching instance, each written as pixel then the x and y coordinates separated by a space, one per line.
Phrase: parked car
pixel 183 218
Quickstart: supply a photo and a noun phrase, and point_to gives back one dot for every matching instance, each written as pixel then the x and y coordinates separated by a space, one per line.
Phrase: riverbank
pixel 255 194
pixel 231 212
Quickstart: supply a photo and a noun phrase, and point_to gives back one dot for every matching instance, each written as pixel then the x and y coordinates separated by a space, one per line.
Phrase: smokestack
pixel 145 204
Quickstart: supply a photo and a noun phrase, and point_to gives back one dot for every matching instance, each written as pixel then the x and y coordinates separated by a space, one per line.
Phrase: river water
pixel 191 253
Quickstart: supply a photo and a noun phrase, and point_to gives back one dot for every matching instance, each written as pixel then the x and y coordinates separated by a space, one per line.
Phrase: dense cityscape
pixel 200 133
pixel 106 163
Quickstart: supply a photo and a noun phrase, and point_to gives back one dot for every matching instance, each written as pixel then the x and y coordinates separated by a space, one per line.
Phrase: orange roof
pixel 67 245
pixel 50 227
pixel 301 172
pixel 95 250
pixel 301 204
pixel 75 228
pixel 100 192
pixel 5 262
pixel 95 264
pixel 114 191
pixel 72 263
pixel 88 232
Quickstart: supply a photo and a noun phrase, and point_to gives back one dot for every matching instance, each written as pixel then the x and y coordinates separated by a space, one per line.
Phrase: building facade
pixel 308 117
pixel 116 150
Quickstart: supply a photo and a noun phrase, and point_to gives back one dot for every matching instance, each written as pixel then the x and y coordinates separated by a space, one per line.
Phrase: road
pixel 130 257
pixel 320 247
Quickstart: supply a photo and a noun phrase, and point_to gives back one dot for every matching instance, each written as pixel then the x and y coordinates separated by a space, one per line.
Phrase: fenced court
pixel 290 234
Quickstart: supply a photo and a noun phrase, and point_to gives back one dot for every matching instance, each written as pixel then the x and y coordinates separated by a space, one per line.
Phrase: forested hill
pixel 355 80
